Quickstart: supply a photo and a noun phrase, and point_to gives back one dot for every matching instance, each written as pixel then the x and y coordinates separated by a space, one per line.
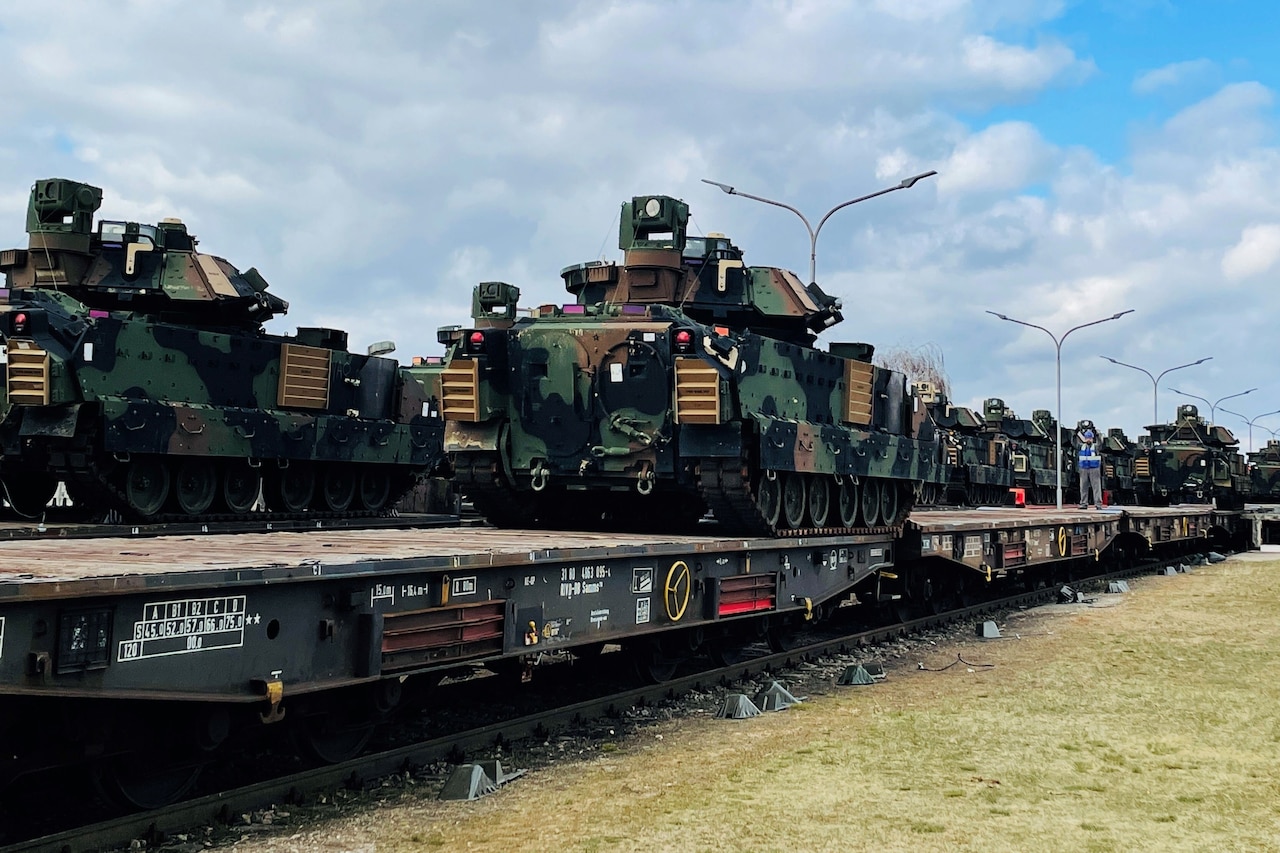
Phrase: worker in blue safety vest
pixel 1090 464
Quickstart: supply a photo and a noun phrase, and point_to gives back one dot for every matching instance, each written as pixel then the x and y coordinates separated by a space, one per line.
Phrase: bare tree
pixel 923 363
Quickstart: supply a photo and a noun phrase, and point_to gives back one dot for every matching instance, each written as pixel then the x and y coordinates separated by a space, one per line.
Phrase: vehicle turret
pixel 130 266
pixel 705 277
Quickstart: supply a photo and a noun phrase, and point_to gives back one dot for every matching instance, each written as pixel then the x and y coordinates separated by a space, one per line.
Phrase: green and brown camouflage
pixel 975 465
pixel 1264 472
pixel 1190 461
pixel 1031 449
pixel 138 372
pixel 680 380
pixel 1118 454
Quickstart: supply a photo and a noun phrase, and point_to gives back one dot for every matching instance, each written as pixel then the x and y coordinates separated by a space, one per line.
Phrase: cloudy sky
pixel 374 160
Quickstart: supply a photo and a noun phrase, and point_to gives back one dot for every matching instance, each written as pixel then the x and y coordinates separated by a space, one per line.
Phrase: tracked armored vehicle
pixel 139 373
pixel 1191 461
pixel 975 463
pixel 680 380
pixel 1264 472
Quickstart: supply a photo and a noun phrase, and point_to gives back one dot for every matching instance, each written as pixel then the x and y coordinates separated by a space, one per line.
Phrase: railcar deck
pixel 252 617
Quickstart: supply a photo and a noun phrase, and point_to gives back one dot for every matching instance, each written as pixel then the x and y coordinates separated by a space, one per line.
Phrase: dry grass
pixel 1152 724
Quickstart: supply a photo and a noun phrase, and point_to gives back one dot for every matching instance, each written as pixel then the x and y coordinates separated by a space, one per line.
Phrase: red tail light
pixel 19 323
pixel 475 341
pixel 683 340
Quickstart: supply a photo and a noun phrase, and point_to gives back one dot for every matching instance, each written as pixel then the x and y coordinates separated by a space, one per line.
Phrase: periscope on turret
pixel 679 381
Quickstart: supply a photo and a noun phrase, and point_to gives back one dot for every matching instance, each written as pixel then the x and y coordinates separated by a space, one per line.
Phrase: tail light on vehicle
pixel 475 342
pixel 682 341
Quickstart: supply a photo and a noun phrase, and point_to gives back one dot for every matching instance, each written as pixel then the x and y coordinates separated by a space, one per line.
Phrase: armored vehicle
pixel 975 464
pixel 139 373
pixel 679 380
pixel 1191 461
pixel 1264 473
pixel 1032 452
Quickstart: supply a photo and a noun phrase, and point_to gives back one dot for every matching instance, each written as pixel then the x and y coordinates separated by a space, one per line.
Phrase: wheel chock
pixel 737 706
pixel 989 630
pixel 775 697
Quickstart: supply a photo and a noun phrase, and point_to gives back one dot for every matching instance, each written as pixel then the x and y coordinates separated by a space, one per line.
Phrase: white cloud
pixel 1256 253
pixel 1174 74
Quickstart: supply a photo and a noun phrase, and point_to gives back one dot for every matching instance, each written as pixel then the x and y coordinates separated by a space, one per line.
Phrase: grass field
pixel 1149 724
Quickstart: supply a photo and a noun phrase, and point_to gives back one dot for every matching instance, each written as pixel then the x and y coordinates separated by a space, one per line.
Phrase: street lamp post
pixel 1057 342
pixel 1213 407
pixel 1155 381
pixel 904 184
pixel 1250 421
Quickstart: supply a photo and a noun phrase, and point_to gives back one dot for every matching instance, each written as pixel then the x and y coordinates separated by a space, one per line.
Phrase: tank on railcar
pixel 138 371
pixel 1118 453
pixel 975 465
pixel 1264 473
pixel 1032 453
pixel 1191 461
pixel 679 380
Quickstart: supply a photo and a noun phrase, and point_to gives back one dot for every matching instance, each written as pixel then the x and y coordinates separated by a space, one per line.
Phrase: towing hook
pixel 538 478
pixel 644 483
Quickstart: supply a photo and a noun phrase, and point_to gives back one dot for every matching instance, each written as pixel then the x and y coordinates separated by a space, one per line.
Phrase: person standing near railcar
pixel 1089 462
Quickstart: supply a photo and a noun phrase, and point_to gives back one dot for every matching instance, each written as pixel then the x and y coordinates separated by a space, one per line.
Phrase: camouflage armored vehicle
pixel 1118 454
pixel 138 372
pixel 1031 449
pixel 1190 461
pixel 1264 473
pixel 975 465
pixel 679 380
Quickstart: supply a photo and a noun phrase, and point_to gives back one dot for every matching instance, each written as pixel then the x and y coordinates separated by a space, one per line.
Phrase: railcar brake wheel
pixel 848 502
pixel 769 498
pixel 871 493
pixel 793 499
pixel 146 485
pixel 240 486
pixel 195 484
pixel 819 499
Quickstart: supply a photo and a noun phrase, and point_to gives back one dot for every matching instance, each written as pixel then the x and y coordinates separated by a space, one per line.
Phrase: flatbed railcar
pixel 140 657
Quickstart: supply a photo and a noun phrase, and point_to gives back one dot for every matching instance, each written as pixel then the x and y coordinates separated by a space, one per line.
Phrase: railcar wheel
pixel 331 740
pixel 871 493
pixel 727 651
pixel 890 503
pixel 29 492
pixel 769 498
pixel 339 488
pixel 240 486
pixel 653 663
pixel 291 489
pixel 146 486
pixel 138 783
pixel 819 499
pixel 195 485
pixel 793 500
pixel 375 489
pixel 782 637
pixel 848 502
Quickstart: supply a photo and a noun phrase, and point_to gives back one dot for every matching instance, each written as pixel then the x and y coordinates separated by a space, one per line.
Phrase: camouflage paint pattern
pixel 1190 461
pixel 584 399
pixel 1264 473
pixel 151 348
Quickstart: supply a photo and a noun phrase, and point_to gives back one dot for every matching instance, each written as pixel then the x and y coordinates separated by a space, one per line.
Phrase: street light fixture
pixel 1155 381
pixel 1213 407
pixel 1250 421
pixel 1057 342
pixel 904 184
